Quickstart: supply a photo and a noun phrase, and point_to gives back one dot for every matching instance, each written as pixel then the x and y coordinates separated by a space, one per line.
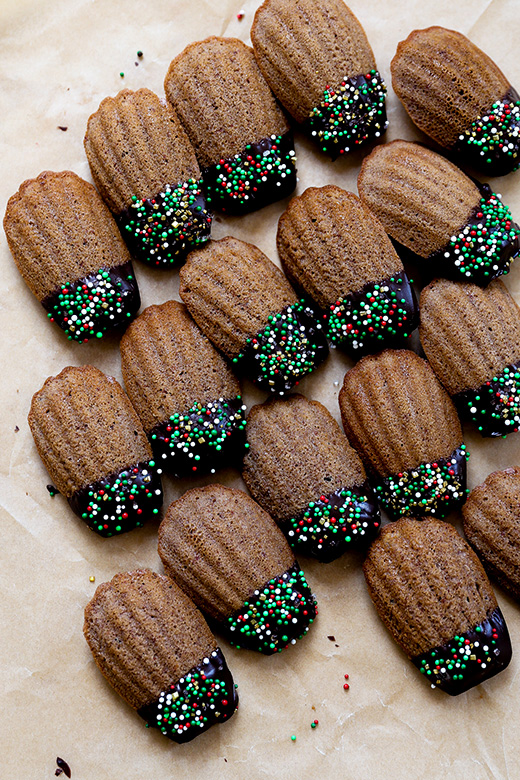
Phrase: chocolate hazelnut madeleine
pixel 403 424
pixel 93 445
pixel 492 527
pixel 231 558
pixel 432 594
pixel 70 254
pixel 316 58
pixel 156 650
pixel 301 469
pixel 183 390
pixel 460 228
pixel 146 171
pixel 478 361
pixel 246 306
pixel 334 249
pixel 240 135
pixel 459 97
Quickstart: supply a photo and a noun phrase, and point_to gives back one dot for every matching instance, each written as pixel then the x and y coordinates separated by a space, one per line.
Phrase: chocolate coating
pixel 494 406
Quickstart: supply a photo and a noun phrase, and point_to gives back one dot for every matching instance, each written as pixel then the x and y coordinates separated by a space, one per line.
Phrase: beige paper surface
pixel 59 59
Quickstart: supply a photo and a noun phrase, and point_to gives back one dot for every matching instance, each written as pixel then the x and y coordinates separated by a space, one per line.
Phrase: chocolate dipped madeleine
pixel 399 418
pixel 230 557
pixel 492 527
pixel 478 361
pixel 316 58
pixel 334 249
pixel 459 97
pixel 460 228
pixel 301 469
pixel 156 650
pixel 240 135
pixel 146 170
pixel 70 254
pixel 432 594
pixel 183 390
pixel 246 306
pixel 93 445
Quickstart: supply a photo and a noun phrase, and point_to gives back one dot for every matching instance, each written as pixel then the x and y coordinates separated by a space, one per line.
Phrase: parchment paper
pixel 58 61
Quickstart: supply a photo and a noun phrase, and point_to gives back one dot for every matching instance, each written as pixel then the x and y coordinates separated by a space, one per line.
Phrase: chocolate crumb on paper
pixel 63 767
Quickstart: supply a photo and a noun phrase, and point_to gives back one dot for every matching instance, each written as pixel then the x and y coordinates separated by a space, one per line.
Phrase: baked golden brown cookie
pixel 146 171
pixel 431 592
pixel 240 135
pixel 230 557
pixel 71 256
pixel 402 422
pixel 93 445
pixel 183 390
pixel 459 97
pixel 334 249
pixel 156 650
pixel 248 309
pixel 478 360
pixel 317 60
pixel 492 526
pixel 301 469
pixel 459 227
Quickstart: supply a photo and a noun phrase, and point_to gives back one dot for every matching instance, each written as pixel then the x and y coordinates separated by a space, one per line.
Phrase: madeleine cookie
pixel 459 227
pixel 184 392
pixel 317 60
pixel 229 556
pixel 93 445
pixel 248 309
pixel 146 171
pixel 459 97
pixel 492 526
pixel 404 426
pixel 301 469
pixel 71 256
pixel 471 338
pixel 240 135
pixel 337 252
pixel 431 592
pixel 156 650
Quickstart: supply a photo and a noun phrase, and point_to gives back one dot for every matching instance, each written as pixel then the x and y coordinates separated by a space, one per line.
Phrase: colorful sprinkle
pixel 434 488
pixel 90 307
pixel 263 173
pixel 276 615
pixel 163 229
pixel 204 696
pixel 469 658
pixel 349 115
pixel 291 345
pixel 202 438
pixel 344 519
pixel 120 502
pixel 314 724
pixel 495 406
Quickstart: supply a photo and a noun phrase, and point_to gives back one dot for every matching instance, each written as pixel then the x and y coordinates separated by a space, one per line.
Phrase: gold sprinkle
pixel 92 578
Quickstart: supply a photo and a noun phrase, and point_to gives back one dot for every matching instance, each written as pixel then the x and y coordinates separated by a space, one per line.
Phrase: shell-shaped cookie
pixel 334 249
pixel 183 390
pixel 478 360
pixel 317 60
pixel 432 208
pixel 145 169
pixel 431 592
pixel 93 445
pixel 239 133
pixel 229 556
pixel 154 647
pixel 459 97
pixel 404 425
pixel 71 255
pixel 492 526
pixel 246 306
pixel 301 469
